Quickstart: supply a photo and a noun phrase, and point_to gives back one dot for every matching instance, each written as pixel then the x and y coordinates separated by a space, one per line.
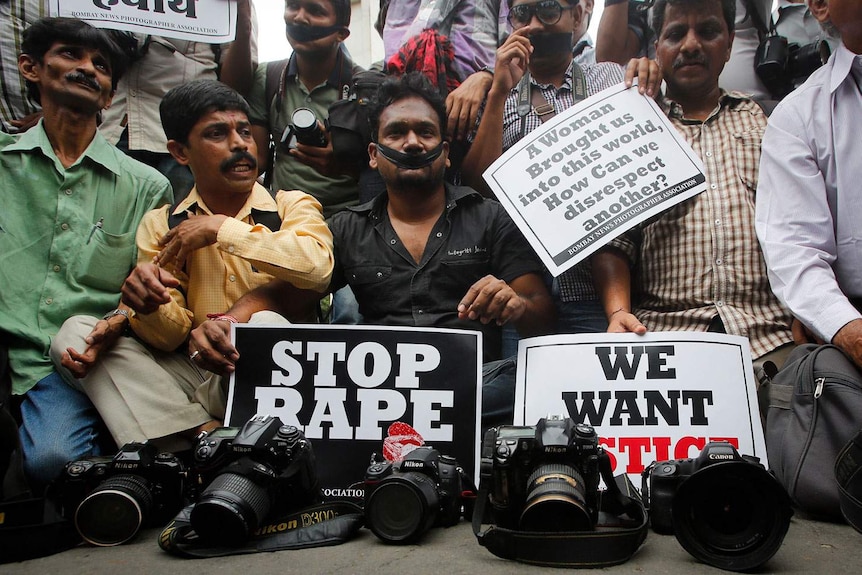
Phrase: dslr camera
pixel 781 65
pixel 303 129
pixel 724 508
pixel 250 474
pixel 110 498
pixel 543 477
pixel 405 499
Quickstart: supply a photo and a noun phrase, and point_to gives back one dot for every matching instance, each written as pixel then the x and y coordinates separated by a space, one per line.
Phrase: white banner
pixel 210 21
pixel 593 171
pixel 655 397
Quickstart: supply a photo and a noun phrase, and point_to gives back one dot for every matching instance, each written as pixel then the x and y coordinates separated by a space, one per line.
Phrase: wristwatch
pixel 123 312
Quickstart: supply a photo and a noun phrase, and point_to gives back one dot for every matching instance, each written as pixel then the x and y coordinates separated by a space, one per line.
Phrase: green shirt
pixel 333 192
pixel 67 239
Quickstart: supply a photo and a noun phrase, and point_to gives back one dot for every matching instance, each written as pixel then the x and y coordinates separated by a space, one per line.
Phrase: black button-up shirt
pixel 474 237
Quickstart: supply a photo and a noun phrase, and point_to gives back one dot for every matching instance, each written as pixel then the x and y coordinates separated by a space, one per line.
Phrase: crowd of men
pixel 136 229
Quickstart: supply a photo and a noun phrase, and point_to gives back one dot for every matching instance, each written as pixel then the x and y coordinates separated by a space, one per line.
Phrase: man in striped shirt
pixel 698 266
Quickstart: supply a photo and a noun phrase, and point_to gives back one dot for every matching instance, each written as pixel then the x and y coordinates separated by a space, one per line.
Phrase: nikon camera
pixel 543 477
pixel 404 499
pixel 724 508
pixel 110 498
pixel 259 471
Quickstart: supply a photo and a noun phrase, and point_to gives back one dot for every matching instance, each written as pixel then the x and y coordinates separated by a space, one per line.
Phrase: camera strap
pixel 621 530
pixel 315 526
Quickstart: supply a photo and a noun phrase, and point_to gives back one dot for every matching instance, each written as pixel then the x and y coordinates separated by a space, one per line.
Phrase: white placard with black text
pixel 655 397
pixel 592 172
pixel 210 21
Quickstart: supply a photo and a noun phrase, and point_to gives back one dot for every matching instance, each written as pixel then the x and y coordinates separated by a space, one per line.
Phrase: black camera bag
pixel 621 530
pixel 319 525
pixel 815 408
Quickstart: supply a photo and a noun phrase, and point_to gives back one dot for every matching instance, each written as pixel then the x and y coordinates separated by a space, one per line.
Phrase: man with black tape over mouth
pixel 318 73
pixel 536 78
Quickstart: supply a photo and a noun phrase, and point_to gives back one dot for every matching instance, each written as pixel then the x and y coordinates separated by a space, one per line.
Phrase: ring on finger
pixel 194 354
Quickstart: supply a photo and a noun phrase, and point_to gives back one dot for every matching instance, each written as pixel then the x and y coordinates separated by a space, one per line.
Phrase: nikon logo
pixel 241 448
pixel 126 465
pixel 555 449
pixel 720 456
pixel 417 464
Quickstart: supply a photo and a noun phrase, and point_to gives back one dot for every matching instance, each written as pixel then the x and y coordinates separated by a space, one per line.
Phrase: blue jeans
pixel 345 308
pixel 498 392
pixel 59 423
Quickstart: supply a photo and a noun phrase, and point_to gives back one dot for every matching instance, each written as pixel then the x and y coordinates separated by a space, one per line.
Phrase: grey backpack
pixel 815 408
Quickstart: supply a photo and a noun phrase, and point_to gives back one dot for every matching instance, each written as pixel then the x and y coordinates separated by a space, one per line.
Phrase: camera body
pixel 425 487
pixel 303 129
pixel 109 498
pixel 251 473
pixel 724 508
pixel 780 64
pixel 543 477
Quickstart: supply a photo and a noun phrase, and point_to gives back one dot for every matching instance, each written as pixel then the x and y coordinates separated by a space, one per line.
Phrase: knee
pixel 71 334
pixel 44 461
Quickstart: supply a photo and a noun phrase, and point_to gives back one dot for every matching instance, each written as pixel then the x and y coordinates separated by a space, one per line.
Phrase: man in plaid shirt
pixel 698 266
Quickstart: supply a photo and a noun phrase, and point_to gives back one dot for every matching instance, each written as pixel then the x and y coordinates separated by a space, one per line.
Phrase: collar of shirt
pixel 99 150
pixel 260 200
pixel 673 109
pixel 567 82
pixel 454 195
pixel 843 61
pixel 339 78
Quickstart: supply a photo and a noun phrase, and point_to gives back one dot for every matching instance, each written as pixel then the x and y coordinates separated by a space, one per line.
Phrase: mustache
pixel 687 60
pixel 83 79
pixel 236 158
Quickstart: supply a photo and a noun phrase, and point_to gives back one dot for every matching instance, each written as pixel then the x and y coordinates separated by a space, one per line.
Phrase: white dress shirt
pixel 809 199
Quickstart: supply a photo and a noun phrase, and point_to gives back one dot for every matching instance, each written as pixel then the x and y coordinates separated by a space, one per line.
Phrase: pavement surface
pixel 809 547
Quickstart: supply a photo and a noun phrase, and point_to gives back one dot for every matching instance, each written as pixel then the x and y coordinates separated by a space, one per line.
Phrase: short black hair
pixel 45 32
pixel 728 9
pixel 183 106
pixel 395 89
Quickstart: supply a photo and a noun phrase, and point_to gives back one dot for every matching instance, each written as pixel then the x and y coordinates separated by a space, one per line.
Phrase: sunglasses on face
pixel 548 12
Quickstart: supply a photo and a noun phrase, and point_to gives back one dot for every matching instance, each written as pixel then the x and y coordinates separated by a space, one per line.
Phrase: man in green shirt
pixel 317 74
pixel 71 207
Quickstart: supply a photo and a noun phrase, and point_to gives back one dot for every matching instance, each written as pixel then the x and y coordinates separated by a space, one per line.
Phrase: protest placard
pixel 359 390
pixel 210 21
pixel 592 172
pixel 655 397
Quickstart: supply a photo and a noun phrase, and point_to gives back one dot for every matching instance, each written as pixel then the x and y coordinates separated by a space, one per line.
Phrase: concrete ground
pixel 809 547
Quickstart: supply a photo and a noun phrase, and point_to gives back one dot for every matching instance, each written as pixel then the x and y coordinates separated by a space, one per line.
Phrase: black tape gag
pixel 410 161
pixel 551 43
pixel 303 33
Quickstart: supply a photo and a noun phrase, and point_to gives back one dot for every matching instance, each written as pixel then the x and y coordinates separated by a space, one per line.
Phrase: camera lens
pixel 115 510
pixel 555 500
pixel 230 509
pixel 402 507
pixel 731 515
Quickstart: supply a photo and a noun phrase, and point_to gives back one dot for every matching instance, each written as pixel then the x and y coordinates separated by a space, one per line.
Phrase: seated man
pixel 71 205
pixel 807 216
pixel 426 253
pixel 196 259
pixel 698 266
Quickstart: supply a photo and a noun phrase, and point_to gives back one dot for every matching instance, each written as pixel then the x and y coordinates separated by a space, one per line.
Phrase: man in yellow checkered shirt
pixel 195 259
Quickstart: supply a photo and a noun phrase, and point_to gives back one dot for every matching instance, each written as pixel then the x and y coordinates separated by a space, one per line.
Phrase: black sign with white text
pixel 359 390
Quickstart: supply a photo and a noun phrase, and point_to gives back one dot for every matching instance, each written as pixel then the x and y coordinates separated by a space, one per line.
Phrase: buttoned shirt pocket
pixel 458 274
pixel 746 156
pixel 371 284
pixel 106 259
